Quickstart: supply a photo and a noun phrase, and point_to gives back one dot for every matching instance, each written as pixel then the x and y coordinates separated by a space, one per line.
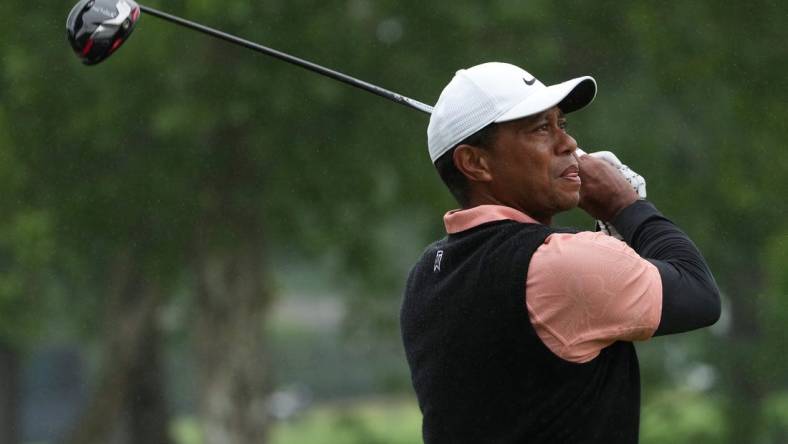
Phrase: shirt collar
pixel 461 220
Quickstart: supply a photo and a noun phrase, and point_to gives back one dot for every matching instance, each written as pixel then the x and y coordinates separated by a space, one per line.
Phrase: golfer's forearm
pixel 690 297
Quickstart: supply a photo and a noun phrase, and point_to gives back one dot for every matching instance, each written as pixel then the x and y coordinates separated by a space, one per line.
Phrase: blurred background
pixel 199 244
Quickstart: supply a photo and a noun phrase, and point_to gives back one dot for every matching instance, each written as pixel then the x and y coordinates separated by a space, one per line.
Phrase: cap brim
pixel 569 96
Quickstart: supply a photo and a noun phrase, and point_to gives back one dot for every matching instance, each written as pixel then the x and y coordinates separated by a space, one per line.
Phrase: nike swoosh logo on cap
pixel 529 82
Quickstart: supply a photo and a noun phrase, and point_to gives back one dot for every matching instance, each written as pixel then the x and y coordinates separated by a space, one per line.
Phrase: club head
pixel 97 28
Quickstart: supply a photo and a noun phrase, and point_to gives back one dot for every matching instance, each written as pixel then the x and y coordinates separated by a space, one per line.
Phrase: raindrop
pixel 390 30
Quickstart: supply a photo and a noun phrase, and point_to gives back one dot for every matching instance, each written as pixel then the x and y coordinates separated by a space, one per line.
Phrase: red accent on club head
pixel 115 45
pixel 87 48
pixel 135 14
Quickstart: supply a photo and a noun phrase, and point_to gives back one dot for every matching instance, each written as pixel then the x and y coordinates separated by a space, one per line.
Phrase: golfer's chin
pixel 568 200
pixel 568 190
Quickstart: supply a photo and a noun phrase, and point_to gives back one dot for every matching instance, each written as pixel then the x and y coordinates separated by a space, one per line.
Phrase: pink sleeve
pixel 587 290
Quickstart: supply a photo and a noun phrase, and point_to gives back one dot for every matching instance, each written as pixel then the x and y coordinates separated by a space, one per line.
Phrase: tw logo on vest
pixel 438 258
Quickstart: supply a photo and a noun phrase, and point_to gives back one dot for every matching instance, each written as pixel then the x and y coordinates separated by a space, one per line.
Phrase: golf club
pixel 97 28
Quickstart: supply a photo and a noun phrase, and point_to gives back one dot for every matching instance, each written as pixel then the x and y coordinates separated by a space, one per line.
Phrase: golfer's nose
pixel 566 144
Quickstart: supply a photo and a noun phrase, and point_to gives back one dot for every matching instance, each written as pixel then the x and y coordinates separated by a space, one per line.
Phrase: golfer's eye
pixel 563 124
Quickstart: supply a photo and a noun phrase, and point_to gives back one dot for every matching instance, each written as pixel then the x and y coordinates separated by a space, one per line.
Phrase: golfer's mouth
pixel 572 173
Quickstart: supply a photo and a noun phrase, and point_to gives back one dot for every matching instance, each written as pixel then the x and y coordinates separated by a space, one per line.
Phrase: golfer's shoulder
pixel 586 290
pixel 587 251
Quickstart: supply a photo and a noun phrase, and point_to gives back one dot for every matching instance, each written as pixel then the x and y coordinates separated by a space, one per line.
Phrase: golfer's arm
pixel 690 297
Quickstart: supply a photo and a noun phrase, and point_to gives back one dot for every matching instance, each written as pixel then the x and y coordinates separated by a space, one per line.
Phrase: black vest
pixel 481 373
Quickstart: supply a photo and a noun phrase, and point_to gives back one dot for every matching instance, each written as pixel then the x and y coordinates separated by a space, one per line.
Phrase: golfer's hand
pixel 604 190
pixel 637 181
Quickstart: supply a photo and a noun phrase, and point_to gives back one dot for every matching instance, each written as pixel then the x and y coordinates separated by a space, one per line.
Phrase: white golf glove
pixel 636 180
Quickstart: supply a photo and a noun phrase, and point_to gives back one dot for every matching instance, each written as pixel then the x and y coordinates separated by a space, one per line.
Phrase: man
pixel 516 331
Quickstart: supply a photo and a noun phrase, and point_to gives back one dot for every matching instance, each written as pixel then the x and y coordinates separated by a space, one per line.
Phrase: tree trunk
pixel 148 420
pixel 745 384
pixel 9 395
pixel 128 318
pixel 231 306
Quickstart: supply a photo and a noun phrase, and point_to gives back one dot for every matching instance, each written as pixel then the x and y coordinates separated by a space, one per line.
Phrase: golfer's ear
pixel 473 163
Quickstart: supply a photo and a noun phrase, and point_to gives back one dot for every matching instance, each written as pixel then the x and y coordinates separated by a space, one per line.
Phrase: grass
pixel 676 416
pixel 369 421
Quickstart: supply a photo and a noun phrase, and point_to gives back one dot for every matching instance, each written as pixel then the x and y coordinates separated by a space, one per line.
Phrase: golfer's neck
pixel 486 199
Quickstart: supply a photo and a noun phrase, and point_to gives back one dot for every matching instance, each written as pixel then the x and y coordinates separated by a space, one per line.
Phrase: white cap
pixel 497 92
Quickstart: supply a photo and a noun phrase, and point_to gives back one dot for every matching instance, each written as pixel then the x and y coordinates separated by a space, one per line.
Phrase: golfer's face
pixel 533 165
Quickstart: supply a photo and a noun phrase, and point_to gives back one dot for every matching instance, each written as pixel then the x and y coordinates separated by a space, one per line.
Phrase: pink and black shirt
pixel 519 332
pixel 609 294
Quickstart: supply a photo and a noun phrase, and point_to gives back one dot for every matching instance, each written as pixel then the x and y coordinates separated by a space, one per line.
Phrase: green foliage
pixel 682 418
pixel 181 140
pixel 26 242
pixel 358 422
pixel 776 417
pixel 363 423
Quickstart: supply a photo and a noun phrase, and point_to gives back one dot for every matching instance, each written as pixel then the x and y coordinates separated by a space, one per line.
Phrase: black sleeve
pixel 690 297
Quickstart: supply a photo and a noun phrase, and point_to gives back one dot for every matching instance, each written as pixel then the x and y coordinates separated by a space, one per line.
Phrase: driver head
pixel 96 28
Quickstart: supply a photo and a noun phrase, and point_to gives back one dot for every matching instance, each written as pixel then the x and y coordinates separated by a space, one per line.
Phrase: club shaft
pixel 415 104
